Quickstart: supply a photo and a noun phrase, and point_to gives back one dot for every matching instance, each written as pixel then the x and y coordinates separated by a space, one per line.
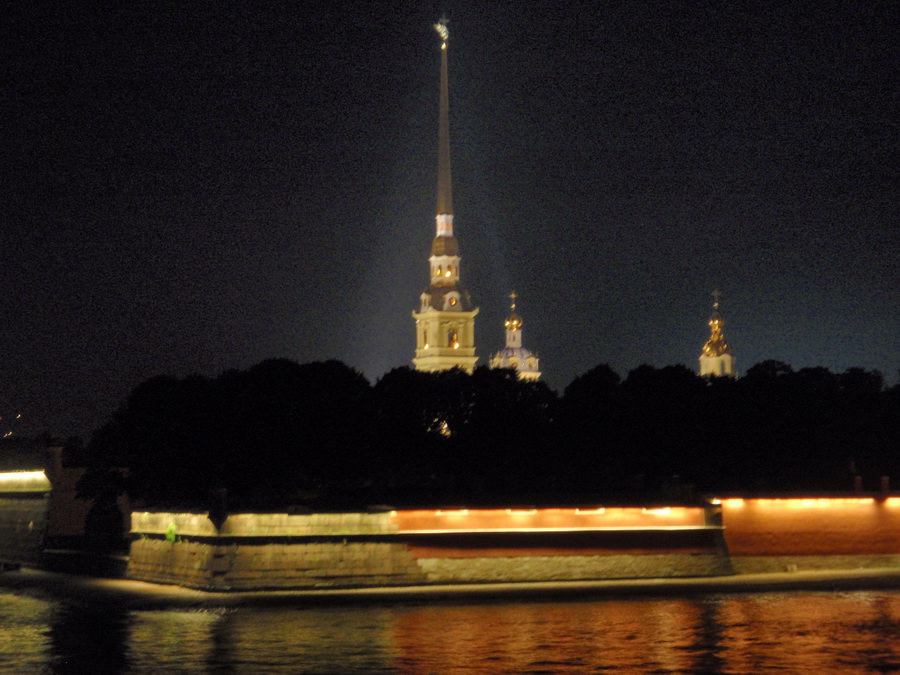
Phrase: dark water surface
pixel 797 632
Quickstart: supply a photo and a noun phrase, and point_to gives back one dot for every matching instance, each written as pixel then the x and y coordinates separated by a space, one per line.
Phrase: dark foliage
pixel 318 435
pixel 275 434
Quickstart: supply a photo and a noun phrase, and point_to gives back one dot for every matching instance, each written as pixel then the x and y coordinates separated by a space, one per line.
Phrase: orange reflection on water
pixel 818 632
pixel 810 633
pixel 547 637
pixel 797 633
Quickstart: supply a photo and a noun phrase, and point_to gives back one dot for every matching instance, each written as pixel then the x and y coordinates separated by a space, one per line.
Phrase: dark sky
pixel 194 187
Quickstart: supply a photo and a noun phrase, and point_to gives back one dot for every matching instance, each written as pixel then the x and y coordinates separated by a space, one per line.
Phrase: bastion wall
pixel 435 546
pixel 24 504
pixel 777 534
pixel 399 548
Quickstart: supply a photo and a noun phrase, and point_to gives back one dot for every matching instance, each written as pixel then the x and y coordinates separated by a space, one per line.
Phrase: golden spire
pixel 716 345
pixel 445 193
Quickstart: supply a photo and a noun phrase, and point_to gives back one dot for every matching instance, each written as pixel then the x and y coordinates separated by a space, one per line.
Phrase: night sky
pixel 194 187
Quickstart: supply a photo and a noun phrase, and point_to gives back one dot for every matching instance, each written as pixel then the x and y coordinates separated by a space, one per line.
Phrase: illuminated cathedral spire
pixel 445 186
pixel 514 355
pixel 445 322
pixel 716 358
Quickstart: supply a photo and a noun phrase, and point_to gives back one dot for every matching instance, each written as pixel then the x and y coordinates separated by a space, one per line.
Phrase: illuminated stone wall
pixel 24 501
pixel 249 565
pixel 550 544
pixel 255 551
pixel 22 525
pixel 779 534
pixel 397 548
pixel 570 567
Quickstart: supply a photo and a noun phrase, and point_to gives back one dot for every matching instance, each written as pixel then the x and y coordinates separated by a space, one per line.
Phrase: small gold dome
pixel 513 322
pixel 716 345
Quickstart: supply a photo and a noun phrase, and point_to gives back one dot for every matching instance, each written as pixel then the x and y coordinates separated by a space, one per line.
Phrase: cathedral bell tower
pixel 716 358
pixel 445 321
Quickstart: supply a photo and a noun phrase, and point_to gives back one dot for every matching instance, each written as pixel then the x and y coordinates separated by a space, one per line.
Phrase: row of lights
pixel 598 511
pixel 804 502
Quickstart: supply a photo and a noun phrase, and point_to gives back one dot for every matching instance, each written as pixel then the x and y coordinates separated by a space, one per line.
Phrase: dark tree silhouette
pixel 504 447
pixel 282 434
pixel 268 435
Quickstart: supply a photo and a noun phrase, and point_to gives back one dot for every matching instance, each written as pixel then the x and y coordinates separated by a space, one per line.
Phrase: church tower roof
pixel 445 188
pixel 445 321
pixel 716 345
pixel 513 321
pixel 514 355
pixel 444 242
pixel 716 357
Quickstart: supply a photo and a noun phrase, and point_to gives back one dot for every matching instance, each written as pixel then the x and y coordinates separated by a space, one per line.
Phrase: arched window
pixel 453 338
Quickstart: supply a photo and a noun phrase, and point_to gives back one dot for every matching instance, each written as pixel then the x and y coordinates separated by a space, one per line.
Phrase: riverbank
pixel 139 595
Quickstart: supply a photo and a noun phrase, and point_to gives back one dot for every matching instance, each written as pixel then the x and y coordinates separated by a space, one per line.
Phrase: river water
pixel 796 632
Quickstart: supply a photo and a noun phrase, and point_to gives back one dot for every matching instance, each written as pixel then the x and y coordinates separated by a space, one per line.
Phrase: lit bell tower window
pixel 453 338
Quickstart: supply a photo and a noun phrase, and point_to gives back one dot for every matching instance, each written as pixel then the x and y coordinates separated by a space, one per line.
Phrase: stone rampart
pixel 278 550
pixel 398 548
pixel 777 534
pixel 23 521
pixel 24 502
pixel 571 567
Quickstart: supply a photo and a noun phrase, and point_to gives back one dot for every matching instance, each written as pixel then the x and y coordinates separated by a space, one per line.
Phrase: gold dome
pixel 513 322
pixel 716 345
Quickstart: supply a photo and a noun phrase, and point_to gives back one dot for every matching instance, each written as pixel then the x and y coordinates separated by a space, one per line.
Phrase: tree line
pixel 319 435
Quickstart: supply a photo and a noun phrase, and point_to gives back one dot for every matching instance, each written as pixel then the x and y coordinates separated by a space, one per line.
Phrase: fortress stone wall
pixel 435 546
pixel 24 504
pixel 400 548
pixel 777 534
